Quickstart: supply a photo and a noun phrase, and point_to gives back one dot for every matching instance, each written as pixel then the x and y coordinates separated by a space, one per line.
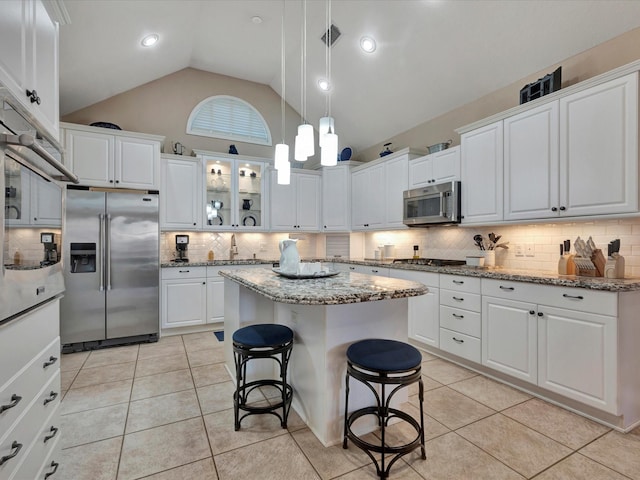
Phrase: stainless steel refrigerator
pixel 110 260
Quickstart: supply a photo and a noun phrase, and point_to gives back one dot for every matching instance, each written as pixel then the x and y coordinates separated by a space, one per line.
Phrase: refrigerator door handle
pixel 101 252
pixel 107 248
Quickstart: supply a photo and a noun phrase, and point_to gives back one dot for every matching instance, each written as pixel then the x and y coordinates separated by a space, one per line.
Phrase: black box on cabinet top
pixel 543 86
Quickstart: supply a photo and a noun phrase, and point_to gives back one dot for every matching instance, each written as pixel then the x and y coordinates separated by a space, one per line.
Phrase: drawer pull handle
pixel 15 399
pixel 458 299
pixel 16 447
pixel 50 362
pixel 457 316
pixel 184 271
pixel 457 341
pixel 375 271
pixel 507 288
pixel 54 432
pixel 55 466
pixel 532 312
pixel 52 396
pixel 352 268
pixel 540 314
pixel 458 282
pixel 575 297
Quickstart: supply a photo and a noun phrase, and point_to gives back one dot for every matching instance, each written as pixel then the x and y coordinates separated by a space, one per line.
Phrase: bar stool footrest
pixel 397 449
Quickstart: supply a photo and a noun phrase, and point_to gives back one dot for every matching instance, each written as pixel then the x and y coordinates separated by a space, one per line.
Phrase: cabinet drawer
pixel 173 273
pixel 21 390
pixel 427 278
pixel 460 283
pixel 24 432
pixel 458 320
pixel 460 344
pixel 571 298
pixel 45 443
pixel 580 299
pixel 40 327
pixel 467 301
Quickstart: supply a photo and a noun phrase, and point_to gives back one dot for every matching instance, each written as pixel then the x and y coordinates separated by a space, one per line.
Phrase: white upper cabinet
pixel 180 189
pixel 234 192
pixel 101 158
pixel 296 206
pixel 599 149
pixel 29 59
pixel 531 165
pixel 439 167
pixel 367 201
pixel 336 198
pixel 376 191
pixel 482 164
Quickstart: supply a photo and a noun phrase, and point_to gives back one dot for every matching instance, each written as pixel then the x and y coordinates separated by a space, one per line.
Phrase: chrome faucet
pixel 233 251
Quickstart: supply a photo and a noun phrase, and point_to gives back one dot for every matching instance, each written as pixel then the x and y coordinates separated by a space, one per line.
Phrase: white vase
pixel 289 256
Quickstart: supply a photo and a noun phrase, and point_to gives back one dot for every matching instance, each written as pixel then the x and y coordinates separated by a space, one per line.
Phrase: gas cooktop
pixel 433 262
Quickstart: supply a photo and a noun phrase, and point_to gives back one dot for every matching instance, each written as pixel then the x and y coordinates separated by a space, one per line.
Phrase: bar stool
pixel 261 341
pixel 384 362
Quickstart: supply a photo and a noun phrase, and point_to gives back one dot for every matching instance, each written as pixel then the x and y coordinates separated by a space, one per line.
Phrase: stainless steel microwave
pixel 432 205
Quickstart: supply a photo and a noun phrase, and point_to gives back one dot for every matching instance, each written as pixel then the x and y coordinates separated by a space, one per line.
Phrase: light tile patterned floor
pixel 163 411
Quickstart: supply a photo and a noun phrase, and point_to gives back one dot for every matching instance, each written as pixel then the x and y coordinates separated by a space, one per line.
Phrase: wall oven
pixel 31 173
pixel 433 205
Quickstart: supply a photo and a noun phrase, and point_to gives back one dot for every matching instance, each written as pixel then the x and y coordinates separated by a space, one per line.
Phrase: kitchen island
pixel 327 315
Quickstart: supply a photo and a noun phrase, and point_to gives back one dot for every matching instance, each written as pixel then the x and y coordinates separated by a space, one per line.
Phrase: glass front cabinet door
pixel 234 197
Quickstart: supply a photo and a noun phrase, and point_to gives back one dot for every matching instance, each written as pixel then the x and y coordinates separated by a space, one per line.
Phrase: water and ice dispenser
pixel 83 257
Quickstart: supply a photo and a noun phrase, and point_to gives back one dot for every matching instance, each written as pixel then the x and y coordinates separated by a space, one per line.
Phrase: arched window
pixel 231 118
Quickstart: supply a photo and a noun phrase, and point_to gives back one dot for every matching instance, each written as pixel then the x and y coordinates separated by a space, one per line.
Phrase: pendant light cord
pixel 282 73
pixel 303 73
pixel 329 43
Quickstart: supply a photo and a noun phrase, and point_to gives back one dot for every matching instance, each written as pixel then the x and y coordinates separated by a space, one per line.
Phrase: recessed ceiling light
pixel 149 40
pixel 256 19
pixel 368 44
pixel 324 85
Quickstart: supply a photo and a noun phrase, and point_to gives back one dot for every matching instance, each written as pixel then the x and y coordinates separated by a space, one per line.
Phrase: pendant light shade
pixel 284 174
pixel 323 128
pixel 282 155
pixel 298 151
pixel 306 138
pixel 329 153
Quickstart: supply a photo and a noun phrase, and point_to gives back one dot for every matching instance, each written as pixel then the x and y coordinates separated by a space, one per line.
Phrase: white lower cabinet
pixel 423 314
pixel 215 296
pixel 509 337
pixel 577 355
pixel 555 340
pixel 194 295
pixel 184 296
pixel 30 394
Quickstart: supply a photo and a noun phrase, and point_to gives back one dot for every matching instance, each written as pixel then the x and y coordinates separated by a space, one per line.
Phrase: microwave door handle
pixel 442 212
pixel 101 252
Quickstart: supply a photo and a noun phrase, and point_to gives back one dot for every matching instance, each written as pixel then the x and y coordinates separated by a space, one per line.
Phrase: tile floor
pixel 164 411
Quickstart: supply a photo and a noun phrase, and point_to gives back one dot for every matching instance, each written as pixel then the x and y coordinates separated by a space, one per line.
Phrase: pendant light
pixel 281 161
pixel 304 146
pixel 328 138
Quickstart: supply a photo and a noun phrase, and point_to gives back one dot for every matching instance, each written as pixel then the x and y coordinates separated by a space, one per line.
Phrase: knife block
pixel 584 267
pixel 599 261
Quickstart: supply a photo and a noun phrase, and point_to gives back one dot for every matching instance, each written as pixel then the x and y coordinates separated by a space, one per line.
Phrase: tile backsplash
pixel 260 245
pixel 539 242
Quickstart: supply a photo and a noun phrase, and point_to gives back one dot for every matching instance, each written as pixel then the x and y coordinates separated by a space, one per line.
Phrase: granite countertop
pixel 529 276
pixel 497 273
pixel 216 263
pixel 346 287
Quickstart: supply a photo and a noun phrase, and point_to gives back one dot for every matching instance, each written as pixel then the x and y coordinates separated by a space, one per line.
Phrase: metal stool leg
pixel 346 410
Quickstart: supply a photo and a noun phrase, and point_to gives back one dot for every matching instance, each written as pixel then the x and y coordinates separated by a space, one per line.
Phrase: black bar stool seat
pixel 261 341
pixel 384 362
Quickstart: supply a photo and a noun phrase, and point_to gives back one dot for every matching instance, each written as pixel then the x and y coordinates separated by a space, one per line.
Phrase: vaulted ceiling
pixel 432 55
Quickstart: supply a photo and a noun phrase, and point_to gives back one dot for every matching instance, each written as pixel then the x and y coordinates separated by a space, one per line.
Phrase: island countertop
pixel 344 288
